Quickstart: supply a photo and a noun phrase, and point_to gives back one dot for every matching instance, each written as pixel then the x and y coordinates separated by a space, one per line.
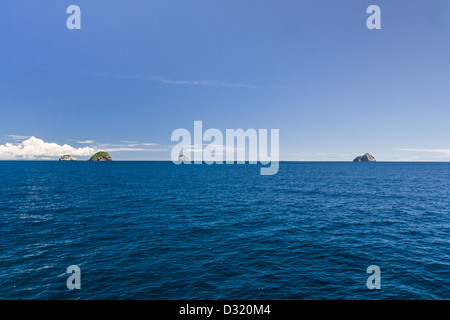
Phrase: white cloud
pixel 131 149
pixel 219 150
pixel 34 148
pixel 445 152
pixel 205 83
pixel 129 146
pixel 85 142
pixel 16 137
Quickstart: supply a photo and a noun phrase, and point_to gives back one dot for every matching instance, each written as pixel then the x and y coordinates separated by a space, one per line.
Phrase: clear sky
pixel 137 70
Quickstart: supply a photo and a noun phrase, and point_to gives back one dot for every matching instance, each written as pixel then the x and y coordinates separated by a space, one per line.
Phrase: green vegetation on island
pixel 101 156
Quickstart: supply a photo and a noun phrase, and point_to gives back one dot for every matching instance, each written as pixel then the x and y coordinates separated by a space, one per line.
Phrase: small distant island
pixel 67 157
pixel 101 156
pixel 364 158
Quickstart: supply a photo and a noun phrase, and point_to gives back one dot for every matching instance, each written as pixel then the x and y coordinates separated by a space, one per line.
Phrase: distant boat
pixel 182 157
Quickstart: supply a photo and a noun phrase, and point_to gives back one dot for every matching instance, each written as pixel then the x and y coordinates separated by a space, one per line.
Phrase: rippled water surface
pixel 154 230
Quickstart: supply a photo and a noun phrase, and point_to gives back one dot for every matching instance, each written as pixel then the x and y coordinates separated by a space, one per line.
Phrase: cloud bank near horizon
pixel 35 149
pixel 444 152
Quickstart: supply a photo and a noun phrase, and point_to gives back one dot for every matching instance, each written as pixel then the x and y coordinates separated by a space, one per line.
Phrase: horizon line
pixel 247 162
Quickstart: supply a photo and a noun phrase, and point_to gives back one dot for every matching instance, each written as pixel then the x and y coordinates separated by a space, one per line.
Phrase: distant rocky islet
pixel 367 157
pixel 68 157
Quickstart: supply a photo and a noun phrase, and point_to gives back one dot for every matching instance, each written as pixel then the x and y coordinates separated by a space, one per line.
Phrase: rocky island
pixel 67 157
pixel 364 158
pixel 101 156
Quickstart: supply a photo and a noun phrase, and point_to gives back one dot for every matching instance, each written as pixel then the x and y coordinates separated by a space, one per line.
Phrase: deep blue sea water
pixel 154 230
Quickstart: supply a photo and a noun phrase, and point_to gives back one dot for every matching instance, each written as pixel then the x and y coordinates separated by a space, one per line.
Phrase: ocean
pixel 154 230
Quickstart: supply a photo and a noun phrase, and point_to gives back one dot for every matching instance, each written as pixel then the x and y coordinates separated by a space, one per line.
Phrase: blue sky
pixel 137 70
